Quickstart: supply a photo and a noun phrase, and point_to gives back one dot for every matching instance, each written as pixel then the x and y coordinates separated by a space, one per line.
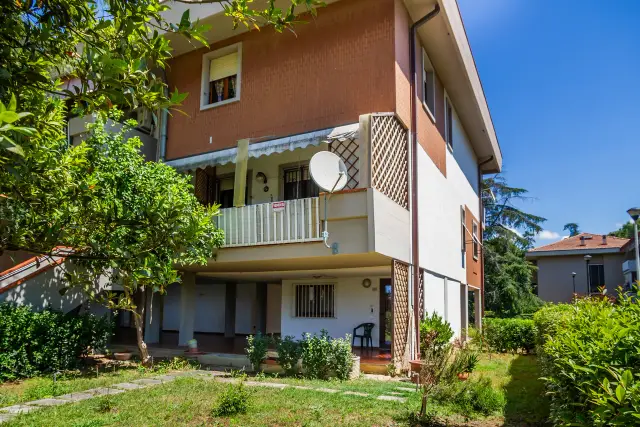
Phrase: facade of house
pixel 261 104
pixel 606 257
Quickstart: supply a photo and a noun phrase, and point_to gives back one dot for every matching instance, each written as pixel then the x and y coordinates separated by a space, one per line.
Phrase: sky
pixel 562 80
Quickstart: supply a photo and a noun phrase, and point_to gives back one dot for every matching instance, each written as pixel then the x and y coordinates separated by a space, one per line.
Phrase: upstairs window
pixel 476 241
pixel 428 86
pixel 221 76
pixel 448 122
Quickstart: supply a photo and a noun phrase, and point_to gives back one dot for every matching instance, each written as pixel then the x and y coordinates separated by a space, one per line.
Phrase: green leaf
pixel 620 392
pixel 9 116
pixel 627 378
pixel 13 103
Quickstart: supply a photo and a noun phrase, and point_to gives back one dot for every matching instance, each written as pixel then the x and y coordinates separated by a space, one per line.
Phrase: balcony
pixel 628 266
pixel 291 221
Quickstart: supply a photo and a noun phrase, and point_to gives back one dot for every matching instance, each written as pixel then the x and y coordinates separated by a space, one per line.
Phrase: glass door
pixel 386 313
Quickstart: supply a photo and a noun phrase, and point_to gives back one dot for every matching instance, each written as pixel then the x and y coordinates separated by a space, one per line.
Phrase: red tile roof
pixel 591 241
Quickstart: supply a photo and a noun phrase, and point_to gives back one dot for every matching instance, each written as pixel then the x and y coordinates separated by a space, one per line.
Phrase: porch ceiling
pixel 301 274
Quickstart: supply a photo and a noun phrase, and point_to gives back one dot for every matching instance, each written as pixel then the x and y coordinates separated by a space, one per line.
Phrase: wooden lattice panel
pixel 347 149
pixel 390 158
pixel 401 317
pixel 201 185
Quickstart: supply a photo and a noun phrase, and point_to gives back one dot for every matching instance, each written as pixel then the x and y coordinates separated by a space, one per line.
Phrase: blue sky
pixel 562 79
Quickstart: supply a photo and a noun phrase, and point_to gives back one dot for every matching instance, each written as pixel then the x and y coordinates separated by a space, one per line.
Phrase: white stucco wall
pixel 354 305
pixel 443 296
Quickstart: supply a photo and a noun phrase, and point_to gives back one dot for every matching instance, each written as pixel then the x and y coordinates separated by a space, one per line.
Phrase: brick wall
pixel 338 66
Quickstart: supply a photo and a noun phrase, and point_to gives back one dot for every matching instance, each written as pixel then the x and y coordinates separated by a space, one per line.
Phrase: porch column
pixel 261 307
pixel 230 310
pixel 477 308
pixel 153 317
pixel 187 307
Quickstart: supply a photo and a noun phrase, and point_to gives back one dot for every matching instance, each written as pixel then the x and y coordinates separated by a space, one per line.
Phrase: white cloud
pixel 549 235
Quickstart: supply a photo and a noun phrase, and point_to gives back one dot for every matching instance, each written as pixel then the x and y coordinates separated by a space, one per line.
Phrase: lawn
pixel 189 401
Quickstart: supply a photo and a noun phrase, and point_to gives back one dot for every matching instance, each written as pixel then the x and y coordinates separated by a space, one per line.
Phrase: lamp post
pixel 634 213
pixel 587 259
pixel 574 283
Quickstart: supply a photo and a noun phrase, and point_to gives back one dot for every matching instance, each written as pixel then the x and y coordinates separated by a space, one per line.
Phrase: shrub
pixel 341 357
pixel 32 343
pixel 316 355
pixel 591 357
pixel 289 352
pixel 257 346
pixel 435 331
pixel 474 396
pixel 509 335
pixel 234 400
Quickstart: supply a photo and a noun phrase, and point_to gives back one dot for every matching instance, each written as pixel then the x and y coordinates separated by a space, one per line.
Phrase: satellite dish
pixel 328 171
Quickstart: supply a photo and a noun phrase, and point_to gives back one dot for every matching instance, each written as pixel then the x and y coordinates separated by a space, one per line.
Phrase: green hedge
pixel 32 343
pixel 509 335
pixel 590 357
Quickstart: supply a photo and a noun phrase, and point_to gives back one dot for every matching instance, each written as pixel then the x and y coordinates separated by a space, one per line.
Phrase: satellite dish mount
pixel 329 173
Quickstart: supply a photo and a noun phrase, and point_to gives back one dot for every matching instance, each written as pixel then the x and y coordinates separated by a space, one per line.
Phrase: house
pixel 597 260
pixel 391 87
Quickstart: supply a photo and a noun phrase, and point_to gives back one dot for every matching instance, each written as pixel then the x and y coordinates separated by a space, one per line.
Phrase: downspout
pixel 482 232
pixel 164 116
pixel 415 252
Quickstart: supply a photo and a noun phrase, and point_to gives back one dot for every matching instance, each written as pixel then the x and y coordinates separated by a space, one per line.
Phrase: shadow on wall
pixel 526 403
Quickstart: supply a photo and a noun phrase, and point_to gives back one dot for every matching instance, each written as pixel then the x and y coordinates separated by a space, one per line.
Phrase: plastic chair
pixel 364 336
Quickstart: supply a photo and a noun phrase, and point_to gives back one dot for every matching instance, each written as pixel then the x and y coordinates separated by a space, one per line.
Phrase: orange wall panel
pixel 474 273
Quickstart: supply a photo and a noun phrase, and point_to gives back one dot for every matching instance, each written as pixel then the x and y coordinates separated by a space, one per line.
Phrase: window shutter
pixel 223 66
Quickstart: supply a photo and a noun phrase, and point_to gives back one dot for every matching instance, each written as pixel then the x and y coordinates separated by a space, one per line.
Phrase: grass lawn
pixel 189 401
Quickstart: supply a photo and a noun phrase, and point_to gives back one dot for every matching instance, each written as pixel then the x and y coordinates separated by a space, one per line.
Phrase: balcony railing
pixel 292 221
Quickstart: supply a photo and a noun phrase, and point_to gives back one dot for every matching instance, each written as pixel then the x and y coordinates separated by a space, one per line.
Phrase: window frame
pixel 448 121
pixel 427 64
pixel 464 231
pixel 333 309
pixel 601 266
pixel 204 85
pixel 289 166
pixel 476 240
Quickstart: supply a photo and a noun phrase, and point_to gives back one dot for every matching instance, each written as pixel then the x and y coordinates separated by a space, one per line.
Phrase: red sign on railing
pixel 278 206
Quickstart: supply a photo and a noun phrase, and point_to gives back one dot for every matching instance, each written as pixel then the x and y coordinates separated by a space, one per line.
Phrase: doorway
pixel 386 313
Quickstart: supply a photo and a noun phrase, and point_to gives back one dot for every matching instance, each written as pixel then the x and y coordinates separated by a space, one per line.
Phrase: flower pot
pixel 463 376
pixel 122 355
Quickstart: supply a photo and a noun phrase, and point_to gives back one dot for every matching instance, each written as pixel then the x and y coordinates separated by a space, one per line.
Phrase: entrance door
pixel 386 313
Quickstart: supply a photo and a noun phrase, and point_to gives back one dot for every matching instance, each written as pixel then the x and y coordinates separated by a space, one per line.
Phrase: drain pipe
pixel 415 253
pixel 484 162
pixel 164 116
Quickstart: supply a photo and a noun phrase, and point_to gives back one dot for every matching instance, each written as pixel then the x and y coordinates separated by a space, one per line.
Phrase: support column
pixel 153 317
pixel 261 307
pixel 187 308
pixel 477 308
pixel 230 310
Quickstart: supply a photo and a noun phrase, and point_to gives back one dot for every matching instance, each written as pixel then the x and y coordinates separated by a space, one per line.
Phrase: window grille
pixel 315 300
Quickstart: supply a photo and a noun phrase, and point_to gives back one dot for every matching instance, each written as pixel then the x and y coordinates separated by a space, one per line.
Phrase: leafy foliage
pixel 234 400
pixel 257 346
pixel 435 331
pixel 32 343
pixel 323 356
pixel 625 231
pixel 572 228
pixel 289 352
pixel 341 357
pixel 474 396
pixel 591 357
pixel 509 335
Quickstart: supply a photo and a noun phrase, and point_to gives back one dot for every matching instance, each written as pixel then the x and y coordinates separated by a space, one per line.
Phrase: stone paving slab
pixel 6 417
pixel 18 409
pixel 265 384
pixel 103 391
pixel 327 390
pixel 408 389
pixel 76 397
pixel 303 387
pixel 48 402
pixel 392 398
pixel 147 381
pixel 396 393
pixel 165 378
pixel 129 386
pixel 356 393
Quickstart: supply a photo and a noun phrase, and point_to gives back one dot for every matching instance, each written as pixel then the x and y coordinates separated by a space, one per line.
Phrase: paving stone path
pixel 8 412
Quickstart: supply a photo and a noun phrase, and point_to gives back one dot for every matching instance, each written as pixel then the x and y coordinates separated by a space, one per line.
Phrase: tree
pixel 122 218
pixel 572 228
pixel 508 234
pixel 625 231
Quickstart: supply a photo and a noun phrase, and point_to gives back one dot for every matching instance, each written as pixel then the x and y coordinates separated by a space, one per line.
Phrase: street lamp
pixel 587 259
pixel 574 283
pixel 634 213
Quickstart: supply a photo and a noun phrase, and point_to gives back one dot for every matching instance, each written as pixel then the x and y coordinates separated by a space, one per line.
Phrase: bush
pixel 322 356
pixel 509 335
pixel 257 346
pixel 474 396
pixel 32 343
pixel 234 400
pixel 590 353
pixel 341 357
pixel 435 331
pixel 289 352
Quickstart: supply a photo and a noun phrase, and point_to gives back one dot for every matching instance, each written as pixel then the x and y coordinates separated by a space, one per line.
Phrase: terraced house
pixel 391 87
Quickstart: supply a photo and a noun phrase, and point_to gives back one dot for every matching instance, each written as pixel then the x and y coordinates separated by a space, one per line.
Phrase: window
pixel 298 183
pixel 476 241
pixel 448 122
pixel 315 300
pixel 596 277
pixel 463 234
pixel 428 86
pixel 221 76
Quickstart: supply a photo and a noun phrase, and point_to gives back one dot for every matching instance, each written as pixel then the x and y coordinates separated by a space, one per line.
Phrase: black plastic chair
pixel 364 336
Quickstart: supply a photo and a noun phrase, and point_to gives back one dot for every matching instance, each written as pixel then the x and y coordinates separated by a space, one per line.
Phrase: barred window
pixel 315 300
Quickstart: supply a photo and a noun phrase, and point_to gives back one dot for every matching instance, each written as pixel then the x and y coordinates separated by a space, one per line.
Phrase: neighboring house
pixel 558 261
pixel 262 104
